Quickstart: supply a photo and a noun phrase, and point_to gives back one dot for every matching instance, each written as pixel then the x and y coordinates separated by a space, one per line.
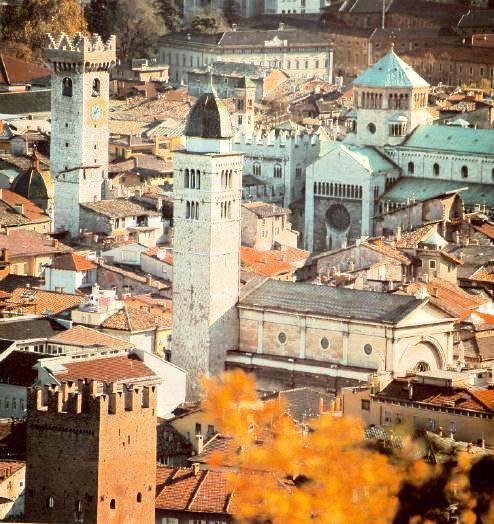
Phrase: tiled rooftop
pixel 263 210
pixel 132 319
pixel 263 262
pixel 21 242
pixel 108 369
pixel 38 301
pixel 30 210
pixel 72 262
pixel 87 337
pixel 119 208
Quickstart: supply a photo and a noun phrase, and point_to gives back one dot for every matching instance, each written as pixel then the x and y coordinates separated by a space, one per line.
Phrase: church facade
pixel 391 140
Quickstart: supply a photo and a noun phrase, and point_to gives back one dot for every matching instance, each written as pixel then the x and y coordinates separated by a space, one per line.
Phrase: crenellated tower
pixel 206 252
pixel 79 121
pixel 91 455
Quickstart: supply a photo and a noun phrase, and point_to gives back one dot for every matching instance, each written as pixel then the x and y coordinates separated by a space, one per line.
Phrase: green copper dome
pixel 209 118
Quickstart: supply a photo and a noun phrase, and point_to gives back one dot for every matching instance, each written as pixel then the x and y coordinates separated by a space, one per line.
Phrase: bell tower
pixel 206 251
pixel 79 121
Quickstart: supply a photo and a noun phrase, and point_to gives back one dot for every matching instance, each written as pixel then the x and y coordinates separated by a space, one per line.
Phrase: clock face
pixel 96 112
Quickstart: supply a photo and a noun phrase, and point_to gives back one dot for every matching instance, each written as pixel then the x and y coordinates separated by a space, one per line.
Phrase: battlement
pixel 85 397
pixel 277 138
pixel 79 53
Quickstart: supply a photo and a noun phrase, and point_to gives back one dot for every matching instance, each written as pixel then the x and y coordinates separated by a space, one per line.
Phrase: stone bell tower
pixel 79 121
pixel 206 257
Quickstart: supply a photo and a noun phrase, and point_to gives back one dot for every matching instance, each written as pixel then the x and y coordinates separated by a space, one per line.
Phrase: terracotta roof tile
pixel 464 398
pixel 9 467
pixel 411 239
pixel 20 242
pixel 133 319
pixel 262 263
pixel 15 71
pixel 449 297
pixel 39 301
pixel 487 229
pixel 72 262
pixel 386 249
pixel 30 210
pixel 109 369
pixel 163 254
pixel 484 273
pixel 86 337
pixel 291 255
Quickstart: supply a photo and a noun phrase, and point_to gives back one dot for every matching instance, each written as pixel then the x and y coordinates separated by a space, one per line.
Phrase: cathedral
pixel 392 153
pixel 294 334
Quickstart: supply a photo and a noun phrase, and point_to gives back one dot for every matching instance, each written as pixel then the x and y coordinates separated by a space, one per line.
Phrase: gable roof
pixel 263 262
pixel 84 336
pixel 310 299
pixel 133 319
pixel 368 157
pixel 118 208
pixel 15 71
pixel 390 71
pixel 20 242
pixel 192 490
pixel 39 301
pixel 448 297
pixel 121 368
pixel 72 262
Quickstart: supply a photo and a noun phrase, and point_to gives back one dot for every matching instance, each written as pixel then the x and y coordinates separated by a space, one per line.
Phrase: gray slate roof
pixel 29 328
pixel 118 208
pixel 367 306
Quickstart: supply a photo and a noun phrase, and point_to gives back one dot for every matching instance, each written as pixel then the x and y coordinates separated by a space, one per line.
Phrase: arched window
pixel 78 506
pixel 277 171
pixel 187 179
pixel 198 179
pixel 66 87
pixel 187 210
pixel 139 497
pixel 257 169
pixel 96 87
pixel 192 178
pixel 464 171
pixel 113 504
pixel 435 169
pixel 422 366
pixel 411 168
pixel 197 210
pixel 50 502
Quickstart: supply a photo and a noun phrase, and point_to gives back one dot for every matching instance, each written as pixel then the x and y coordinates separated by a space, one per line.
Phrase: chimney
pixel 189 36
pixel 435 292
pixel 281 27
pixel 196 468
pixel 234 27
pixel 421 293
pixel 200 443
pixel 5 254
pixel 398 233
pixel 54 242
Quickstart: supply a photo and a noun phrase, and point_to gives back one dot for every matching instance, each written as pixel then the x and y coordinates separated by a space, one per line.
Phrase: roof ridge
pixel 127 316
pixel 197 489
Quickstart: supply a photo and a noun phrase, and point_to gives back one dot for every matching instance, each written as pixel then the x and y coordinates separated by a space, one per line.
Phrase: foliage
pixel 133 22
pixel 209 20
pixel 325 472
pixel 169 12
pixel 485 83
pixel 24 26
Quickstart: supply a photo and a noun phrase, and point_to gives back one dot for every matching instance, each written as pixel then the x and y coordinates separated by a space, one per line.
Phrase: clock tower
pixel 79 122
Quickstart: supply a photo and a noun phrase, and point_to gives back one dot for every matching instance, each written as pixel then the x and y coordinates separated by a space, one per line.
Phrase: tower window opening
pixel 186 179
pixel 50 502
pixel 411 168
pixel 96 87
pixel 464 171
pixel 66 87
pixel 113 504
pixel 435 169
pixel 139 497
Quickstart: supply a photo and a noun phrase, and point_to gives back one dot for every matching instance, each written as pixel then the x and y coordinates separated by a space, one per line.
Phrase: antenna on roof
pixel 210 73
